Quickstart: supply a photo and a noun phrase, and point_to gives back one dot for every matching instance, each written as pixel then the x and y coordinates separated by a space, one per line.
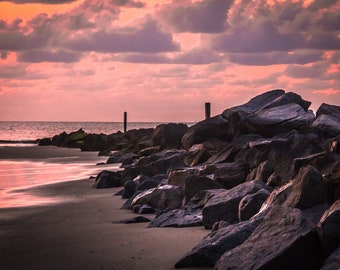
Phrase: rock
pixel 94 142
pixel 201 198
pixel 168 136
pixel 326 125
pixel 178 218
pixel 262 172
pixel 148 184
pixel 306 190
pixel 229 175
pixel 224 206
pixel 161 197
pixel 333 261
pixel 272 121
pixel 108 179
pixel 146 209
pixel 331 110
pixel 251 204
pixel 216 243
pixel 117 157
pixel 214 127
pixel 195 183
pixel 177 177
pixel 45 142
pixel 286 239
pixel 287 98
pixel 329 229
pixel 130 188
pixel 254 104
pixel 137 219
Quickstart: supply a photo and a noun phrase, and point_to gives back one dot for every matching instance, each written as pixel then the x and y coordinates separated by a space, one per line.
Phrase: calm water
pixel 13 130
pixel 17 172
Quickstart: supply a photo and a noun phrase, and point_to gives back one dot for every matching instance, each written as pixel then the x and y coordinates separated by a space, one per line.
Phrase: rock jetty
pixel 263 177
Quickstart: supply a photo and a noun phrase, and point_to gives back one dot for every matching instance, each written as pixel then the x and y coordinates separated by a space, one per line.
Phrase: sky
pixel 91 60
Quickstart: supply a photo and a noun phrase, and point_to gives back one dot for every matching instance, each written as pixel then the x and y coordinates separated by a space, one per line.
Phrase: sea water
pixel 18 173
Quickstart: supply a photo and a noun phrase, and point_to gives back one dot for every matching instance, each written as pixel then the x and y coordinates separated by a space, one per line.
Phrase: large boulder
pixel 161 197
pixel 329 228
pixel 306 190
pixel 224 206
pixel 216 243
pixel 168 135
pixel 195 184
pixel 272 121
pixel 286 239
pixel 327 122
pixel 214 127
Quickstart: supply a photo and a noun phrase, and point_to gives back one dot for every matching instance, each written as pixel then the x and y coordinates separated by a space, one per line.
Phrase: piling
pixel 207 110
pixel 125 121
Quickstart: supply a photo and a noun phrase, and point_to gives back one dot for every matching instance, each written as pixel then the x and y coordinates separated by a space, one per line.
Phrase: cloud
pixel 193 57
pixel 37 56
pixel 147 39
pixel 256 38
pixel 274 58
pixel 317 70
pixel 128 3
pixel 52 2
pixel 207 16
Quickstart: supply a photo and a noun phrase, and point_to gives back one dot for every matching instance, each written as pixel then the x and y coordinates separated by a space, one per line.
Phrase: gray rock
pixel 161 197
pixel 224 206
pixel 108 179
pixel 286 239
pixel 169 135
pixel 214 127
pixel 251 204
pixel 216 243
pixel 178 218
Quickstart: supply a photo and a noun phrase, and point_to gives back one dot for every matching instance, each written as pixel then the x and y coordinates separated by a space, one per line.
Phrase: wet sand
pixel 81 232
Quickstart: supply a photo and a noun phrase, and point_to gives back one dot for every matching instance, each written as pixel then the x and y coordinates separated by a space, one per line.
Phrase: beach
pixel 80 229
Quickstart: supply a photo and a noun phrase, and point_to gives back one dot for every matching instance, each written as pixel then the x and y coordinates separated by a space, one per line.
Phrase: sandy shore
pixel 81 232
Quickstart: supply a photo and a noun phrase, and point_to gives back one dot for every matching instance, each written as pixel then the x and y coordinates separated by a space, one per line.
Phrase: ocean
pixel 24 165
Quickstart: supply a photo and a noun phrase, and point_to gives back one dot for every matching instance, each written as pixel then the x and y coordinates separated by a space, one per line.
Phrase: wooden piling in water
pixel 207 110
pixel 125 122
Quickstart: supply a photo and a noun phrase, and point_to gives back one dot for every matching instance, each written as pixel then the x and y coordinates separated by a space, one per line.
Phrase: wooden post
pixel 125 121
pixel 207 110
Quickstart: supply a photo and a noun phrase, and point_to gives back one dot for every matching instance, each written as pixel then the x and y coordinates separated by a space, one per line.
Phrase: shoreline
pixel 82 231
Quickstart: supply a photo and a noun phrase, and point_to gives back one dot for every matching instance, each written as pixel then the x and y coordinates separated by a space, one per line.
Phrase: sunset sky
pixel 91 60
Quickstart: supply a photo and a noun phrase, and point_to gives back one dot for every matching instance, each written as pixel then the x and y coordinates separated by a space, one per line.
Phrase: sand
pixel 82 232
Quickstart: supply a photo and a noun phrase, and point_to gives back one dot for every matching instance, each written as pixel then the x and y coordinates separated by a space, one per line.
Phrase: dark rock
pixel 201 198
pixel 137 219
pixel 161 197
pixel 130 188
pixel 94 142
pixel 45 142
pixel 331 110
pixel 307 190
pixel 195 183
pixel 229 175
pixel 177 177
pixel 333 261
pixel 149 151
pixel 286 239
pixel 214 127
pixel 272 121
pixel 216 243
pixel 326 125
pixel 128 202
pixel 262 172
pixel 148 184
pixel 108 179
pixel 224 206
pixel 168 136
pixel 117 157
pixel 329 229
pixel 251 204
pixel 178 218
pixel 255 103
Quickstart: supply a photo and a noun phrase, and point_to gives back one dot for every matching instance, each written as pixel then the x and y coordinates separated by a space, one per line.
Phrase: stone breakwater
pixel 264 177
